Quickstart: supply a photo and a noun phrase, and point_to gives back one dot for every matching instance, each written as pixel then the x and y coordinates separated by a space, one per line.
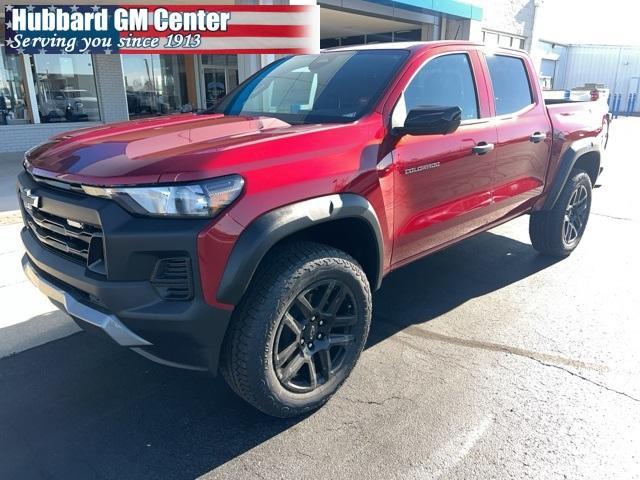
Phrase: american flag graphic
pixel 261 29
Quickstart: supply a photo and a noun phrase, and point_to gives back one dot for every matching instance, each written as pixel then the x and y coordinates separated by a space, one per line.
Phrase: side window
pixel 510 83
pixel 445 81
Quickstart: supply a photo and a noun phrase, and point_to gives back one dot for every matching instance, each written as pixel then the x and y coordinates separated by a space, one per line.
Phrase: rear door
pixel 524 134
pixel 443 183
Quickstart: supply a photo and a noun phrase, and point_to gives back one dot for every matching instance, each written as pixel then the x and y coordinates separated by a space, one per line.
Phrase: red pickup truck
pixel 249 238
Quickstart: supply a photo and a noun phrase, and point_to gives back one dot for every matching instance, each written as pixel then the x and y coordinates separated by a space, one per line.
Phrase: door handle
pixel 537 137
pixel 482 148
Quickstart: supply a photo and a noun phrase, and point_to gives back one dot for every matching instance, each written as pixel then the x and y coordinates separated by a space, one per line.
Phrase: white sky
pixel 590 21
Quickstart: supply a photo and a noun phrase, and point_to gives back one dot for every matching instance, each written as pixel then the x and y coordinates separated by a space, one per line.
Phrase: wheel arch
pixel 584 155
pixel 590 163
pixel 345 221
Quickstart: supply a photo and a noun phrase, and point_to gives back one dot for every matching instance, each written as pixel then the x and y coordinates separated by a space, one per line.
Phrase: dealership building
pixel 36 90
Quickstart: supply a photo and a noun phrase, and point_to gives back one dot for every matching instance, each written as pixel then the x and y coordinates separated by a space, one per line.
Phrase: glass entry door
pixel 219 76
pixel 215 85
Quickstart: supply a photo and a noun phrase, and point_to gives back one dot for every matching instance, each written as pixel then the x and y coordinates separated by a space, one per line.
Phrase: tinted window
pixel 330 87
pixel 446 82
pixel 510 83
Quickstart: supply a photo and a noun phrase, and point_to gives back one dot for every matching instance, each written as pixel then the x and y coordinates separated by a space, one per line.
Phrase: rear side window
pixel 445 81
pixel 510 83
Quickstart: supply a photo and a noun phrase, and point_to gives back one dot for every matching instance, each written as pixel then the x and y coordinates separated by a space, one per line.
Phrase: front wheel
pixel 557 232
pixel 299 330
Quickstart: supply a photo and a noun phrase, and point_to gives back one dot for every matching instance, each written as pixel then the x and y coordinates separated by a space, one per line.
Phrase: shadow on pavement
pixel 437 284
pixel 82 408
pixel 38 330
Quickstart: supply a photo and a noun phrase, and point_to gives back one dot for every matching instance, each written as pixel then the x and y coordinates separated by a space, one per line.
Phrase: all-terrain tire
pixel 249 364
pixel 557 232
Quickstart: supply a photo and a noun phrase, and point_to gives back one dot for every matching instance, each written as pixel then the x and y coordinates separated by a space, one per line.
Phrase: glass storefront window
pixel 407 36
pixel 13 103
pixel 384 37
pixel 220 60
pixel 329 42
pixel 380 37
pixel 155 84
pixel 65 88
pixel 353 40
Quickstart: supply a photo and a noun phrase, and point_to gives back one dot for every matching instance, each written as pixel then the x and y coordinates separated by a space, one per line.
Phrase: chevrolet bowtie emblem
pixel 32 200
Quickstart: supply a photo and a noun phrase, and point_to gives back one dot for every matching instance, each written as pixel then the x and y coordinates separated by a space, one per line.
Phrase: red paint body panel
pixel 570 123
pixel 282 164
pixel 215 244
pixel 521 165
pixel 440 203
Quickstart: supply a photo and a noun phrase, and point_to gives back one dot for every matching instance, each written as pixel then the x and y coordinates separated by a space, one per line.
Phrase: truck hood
pixel 151 150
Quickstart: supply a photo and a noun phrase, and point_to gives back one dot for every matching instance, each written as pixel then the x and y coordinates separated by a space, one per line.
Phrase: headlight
pixel 202 199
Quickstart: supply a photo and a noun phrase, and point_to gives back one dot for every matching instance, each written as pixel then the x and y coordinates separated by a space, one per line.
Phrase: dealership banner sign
pixel 187 29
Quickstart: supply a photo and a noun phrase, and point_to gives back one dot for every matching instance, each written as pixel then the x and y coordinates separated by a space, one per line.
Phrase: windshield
pixel 332 87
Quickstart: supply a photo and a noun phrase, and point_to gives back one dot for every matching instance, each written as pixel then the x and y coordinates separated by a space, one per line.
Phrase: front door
pixel 443 183
pixel 218 81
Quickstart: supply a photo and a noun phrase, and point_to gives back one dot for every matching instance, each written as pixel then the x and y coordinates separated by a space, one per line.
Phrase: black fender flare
pixel 271 227
pixel 566 165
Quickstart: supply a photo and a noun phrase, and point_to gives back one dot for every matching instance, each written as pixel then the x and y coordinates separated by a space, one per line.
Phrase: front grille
pixel 67 187
pixel 77 241
pixel 172 278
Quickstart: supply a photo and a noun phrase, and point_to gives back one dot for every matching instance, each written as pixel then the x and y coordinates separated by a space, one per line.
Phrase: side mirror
pixel 431 120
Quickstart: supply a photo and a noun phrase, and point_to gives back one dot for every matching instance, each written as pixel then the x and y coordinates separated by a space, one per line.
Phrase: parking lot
pixel 485 360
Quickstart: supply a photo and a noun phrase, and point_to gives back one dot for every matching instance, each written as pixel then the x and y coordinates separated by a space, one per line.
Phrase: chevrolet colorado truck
pixel 248 239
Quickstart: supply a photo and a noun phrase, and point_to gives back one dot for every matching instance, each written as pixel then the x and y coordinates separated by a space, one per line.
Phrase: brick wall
pixel 110 86
pixel 18 138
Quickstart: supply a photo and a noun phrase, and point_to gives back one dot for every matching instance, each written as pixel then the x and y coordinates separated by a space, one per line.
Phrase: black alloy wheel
pixel 315 336
pixel 298 332
pixel 558 231
pixel 575 217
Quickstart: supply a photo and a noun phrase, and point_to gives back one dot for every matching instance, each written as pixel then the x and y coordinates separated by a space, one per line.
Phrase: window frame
pixel 492 99
pixel 467 53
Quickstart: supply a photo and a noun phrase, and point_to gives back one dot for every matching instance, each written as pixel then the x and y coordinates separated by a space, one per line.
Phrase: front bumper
pixel 120 300
pixel 106 322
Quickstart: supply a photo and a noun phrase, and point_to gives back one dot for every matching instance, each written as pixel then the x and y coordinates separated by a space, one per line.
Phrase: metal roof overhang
pixel 456 8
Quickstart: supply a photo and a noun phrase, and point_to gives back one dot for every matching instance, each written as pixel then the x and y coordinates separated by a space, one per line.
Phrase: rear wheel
pixel 300 329
pixel 557 232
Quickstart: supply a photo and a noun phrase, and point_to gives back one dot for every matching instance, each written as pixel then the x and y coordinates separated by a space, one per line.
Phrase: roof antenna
pixel 457 32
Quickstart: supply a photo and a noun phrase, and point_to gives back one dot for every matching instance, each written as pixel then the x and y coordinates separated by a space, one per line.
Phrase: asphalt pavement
pixel 485 360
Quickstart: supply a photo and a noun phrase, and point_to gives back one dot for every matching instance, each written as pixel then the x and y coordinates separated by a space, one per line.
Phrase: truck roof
pixel 417 46
pixel 403 45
